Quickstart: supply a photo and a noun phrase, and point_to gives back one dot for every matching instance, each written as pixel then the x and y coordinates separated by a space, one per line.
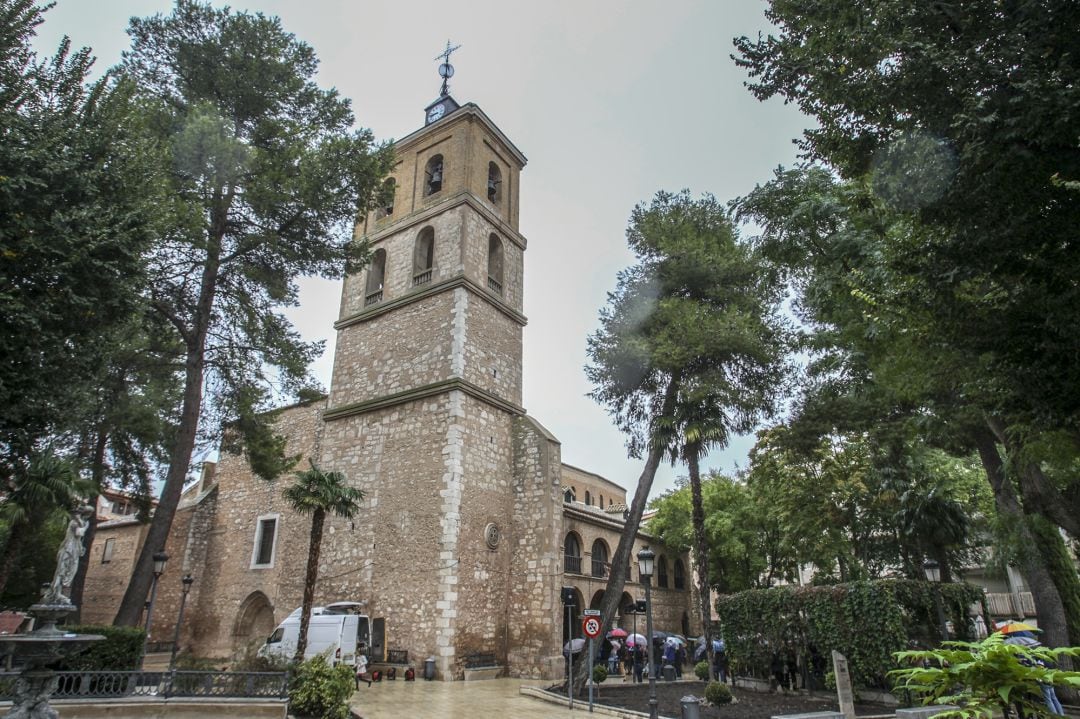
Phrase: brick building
pixel 470 524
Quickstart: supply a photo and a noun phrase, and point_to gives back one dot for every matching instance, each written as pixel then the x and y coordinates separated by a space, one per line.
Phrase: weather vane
pixel 446 70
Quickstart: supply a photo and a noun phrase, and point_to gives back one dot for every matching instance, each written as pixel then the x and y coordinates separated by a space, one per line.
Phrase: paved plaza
pixel 455 700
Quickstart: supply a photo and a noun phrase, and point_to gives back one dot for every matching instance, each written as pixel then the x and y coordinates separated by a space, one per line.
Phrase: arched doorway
pixel 254 621
pixel 626 611
pixel 597 600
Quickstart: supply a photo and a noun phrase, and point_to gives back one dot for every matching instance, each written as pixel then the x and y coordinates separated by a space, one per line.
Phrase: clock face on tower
pixel 436 112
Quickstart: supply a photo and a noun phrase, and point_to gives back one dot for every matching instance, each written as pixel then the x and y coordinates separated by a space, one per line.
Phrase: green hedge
pixel 865 621
pixel 121 649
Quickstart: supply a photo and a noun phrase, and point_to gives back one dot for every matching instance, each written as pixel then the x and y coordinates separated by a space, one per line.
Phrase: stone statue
pixel 67 558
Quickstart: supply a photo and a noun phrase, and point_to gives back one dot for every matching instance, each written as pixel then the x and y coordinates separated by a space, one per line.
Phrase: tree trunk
pixel 701 552
pixel 310 577
pixel 1047 599
pixel 620 562
pixel 1038 493
pixel 180 458
pixel 12 550
pixel 97 476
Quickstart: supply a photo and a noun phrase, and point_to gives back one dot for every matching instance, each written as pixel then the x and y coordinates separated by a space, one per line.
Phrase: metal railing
pixel 599 568
pixel 571 564
pixel 373 298
pixel 421 278
pixel 494 285
pixel 89 685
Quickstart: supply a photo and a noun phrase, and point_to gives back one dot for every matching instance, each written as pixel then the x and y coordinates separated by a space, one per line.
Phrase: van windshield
pixel 276 636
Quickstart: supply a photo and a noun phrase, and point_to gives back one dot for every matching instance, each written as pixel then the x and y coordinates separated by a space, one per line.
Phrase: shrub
pixel 599 674
pixel 250 661
pixel 120 650
pixel 320 690
pixel 984 677
pixel 866 621
pixel 701 670
pixel 718 693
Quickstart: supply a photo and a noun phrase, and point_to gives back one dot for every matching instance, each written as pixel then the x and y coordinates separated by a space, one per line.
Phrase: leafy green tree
pixel 81 199
pixel 38 486
pixel 318 493
pixel 689 349
pixel 881 363
pixel 267 176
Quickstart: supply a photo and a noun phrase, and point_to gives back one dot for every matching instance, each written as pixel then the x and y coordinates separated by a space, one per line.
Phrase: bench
pixel 481 665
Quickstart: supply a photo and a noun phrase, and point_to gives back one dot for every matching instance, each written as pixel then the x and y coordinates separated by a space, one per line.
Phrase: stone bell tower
pixel 426 389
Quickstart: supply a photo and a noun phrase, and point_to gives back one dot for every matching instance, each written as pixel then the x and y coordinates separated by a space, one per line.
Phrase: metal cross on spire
pixel 446 70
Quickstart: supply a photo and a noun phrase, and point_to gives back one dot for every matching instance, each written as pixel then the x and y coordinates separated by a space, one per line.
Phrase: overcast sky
pixel 610 101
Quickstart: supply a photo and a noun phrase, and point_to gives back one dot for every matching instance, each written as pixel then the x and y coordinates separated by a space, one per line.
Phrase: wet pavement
pixel 489 699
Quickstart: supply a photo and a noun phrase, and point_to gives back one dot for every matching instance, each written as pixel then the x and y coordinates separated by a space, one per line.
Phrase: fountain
pixel 47 644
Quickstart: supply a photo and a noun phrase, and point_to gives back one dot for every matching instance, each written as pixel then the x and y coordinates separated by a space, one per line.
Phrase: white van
pixel 336 630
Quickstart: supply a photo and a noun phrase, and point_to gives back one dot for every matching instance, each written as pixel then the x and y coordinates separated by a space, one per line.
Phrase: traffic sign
pixel 591 612
pixel 591 627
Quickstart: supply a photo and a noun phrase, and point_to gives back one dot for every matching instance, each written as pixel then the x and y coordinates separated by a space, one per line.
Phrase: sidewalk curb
pixel 561 700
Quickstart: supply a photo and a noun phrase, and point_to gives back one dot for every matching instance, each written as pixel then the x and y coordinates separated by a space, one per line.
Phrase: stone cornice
pixel 369 313
pixel 422 392
pixel 466 111
pixel 462 197
pixel 586 515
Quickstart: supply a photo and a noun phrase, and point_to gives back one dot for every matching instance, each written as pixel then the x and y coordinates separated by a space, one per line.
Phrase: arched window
pixel 389 187
pixel 433 175
pixel 661 571
pixel 373 292
pixel 680 575
pixel 588 498
pixel 572 554
pixel 568 495
pixel 599 558
pixel 494 183
pixel 601 503
pixel 495 264
pixel 423 256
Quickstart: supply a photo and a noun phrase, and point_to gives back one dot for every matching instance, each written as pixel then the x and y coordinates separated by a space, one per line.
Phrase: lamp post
pixel 186 583
pixel 645 558
pixel 160 558
pixel 933 575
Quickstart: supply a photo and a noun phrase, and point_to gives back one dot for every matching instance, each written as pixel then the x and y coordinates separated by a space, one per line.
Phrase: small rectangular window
pixel 265 534
pixel 107 551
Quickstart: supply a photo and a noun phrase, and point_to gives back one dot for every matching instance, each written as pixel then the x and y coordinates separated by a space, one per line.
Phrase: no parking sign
pixel 591 627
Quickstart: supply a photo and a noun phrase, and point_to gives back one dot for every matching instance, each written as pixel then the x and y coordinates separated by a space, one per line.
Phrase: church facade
pixel 471 524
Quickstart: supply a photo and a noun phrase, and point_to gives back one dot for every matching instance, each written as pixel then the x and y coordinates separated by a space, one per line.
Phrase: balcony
pixel 571 565
pixel 421 278
pixel 373 298
pixel 1003 605
pixel 494 285
pixel 599 568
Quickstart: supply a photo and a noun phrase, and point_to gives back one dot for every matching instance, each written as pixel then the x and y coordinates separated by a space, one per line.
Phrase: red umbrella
pixel 617 633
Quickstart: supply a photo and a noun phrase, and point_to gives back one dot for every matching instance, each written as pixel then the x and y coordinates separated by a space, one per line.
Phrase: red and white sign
pixel 591 627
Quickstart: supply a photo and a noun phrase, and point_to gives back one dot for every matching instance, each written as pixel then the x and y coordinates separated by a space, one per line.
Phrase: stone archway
pixel 254 621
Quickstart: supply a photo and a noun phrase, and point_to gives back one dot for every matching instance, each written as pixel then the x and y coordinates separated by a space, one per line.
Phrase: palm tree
pixel 44 483
pixel 318 493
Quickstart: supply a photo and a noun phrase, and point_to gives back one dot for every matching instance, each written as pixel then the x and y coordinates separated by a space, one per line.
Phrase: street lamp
pixel 646 557
pixel 160 558
pixel 933 575
pixel 186 583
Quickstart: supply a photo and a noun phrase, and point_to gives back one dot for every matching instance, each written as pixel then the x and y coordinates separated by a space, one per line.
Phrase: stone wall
pixel 535 635
pixel 107 581
pixel 592 487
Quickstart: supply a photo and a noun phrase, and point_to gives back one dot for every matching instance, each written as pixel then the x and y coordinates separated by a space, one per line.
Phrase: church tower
pixel 426 390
